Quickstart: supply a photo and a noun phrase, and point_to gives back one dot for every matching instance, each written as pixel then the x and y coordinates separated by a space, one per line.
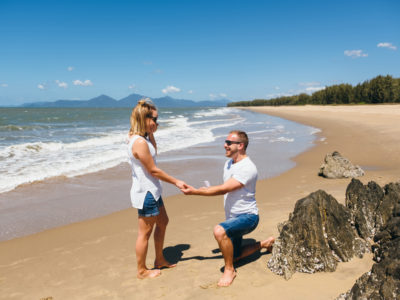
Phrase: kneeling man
pixel 239 188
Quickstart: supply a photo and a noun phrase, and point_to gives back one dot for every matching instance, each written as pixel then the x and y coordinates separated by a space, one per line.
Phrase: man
pixel 239 187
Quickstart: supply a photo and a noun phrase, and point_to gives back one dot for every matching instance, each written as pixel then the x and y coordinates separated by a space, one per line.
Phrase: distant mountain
pixel 129 101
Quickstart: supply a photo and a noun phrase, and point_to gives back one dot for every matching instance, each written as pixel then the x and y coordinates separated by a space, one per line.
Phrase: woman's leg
pixel 144 231
pixel 159 236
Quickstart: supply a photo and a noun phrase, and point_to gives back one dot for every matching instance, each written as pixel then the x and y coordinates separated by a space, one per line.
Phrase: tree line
pixel 381 89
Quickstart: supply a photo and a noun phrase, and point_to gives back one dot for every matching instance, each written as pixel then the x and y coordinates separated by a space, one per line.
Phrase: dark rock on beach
pixel 383 280
pixel 316 237
pixel 371 206
pixel 336 166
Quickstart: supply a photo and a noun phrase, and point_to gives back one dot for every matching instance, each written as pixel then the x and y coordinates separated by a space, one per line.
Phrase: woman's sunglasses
pixel 154 119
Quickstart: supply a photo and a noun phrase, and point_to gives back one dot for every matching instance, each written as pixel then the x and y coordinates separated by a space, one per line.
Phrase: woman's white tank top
pixel 142 181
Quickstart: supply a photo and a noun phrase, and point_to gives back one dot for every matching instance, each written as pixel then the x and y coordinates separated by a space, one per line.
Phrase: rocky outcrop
pixel 336 166
pixel 316 237
pixel 371 206
pixel 383 281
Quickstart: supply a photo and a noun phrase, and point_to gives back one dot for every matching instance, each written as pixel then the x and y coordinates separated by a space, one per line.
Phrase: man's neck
pixel 239 157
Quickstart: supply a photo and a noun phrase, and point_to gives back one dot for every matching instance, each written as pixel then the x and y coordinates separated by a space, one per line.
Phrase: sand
pixel 95 259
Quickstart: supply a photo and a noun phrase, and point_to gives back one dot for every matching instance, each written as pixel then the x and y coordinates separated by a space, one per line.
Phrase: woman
pixel 146 187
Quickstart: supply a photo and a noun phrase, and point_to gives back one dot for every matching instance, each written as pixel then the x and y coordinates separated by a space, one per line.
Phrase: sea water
pixel 37 144
pixel 50 145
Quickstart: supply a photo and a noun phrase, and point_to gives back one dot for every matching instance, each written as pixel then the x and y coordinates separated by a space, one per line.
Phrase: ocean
pixel 40 145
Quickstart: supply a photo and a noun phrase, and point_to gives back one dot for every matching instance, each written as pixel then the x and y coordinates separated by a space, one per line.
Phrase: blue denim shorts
pixel 236 227
pixel 151 207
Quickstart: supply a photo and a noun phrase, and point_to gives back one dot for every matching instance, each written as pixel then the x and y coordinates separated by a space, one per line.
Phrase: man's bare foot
pixel 148 274
pixel 227 278
pixel 268 243
pixel 163 264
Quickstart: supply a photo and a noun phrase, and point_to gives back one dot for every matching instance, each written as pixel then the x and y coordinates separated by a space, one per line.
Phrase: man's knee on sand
pixel 219 232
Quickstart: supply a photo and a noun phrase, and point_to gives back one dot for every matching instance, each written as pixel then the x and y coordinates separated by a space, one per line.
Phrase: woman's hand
pixel 181 184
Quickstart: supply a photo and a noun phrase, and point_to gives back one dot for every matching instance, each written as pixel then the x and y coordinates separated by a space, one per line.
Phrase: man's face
pixel 232 149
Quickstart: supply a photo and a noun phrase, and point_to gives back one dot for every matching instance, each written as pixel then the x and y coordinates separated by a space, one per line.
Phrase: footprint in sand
pixel 209 285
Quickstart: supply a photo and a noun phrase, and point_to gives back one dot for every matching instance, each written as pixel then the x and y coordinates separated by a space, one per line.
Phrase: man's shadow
pixel 174 254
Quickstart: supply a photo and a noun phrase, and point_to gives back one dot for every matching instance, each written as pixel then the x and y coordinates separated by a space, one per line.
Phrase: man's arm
pixel 228 186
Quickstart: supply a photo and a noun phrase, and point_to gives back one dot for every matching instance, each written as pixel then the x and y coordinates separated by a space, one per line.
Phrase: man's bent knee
pixel 219 232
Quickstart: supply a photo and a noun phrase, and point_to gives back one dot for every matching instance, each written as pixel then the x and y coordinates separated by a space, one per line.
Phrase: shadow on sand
pixel 174 254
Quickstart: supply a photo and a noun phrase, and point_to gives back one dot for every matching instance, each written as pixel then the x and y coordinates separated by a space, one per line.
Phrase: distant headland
pixel 129 101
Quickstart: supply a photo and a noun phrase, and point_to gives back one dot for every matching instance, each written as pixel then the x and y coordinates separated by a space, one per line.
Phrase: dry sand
pixel 95 259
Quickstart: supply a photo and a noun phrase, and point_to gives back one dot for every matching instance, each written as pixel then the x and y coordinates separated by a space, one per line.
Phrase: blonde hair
pixel 142 110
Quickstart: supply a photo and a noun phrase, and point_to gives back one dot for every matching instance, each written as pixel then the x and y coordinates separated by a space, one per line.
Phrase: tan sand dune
pixel 95 259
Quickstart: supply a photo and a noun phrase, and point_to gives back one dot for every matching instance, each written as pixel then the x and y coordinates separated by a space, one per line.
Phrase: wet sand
pixel 95 259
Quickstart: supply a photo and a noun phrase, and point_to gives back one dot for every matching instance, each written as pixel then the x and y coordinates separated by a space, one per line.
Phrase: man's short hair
pixel 243 138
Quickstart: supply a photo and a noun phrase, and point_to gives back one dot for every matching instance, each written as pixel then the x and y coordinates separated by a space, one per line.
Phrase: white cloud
pixel 217 96
pixel 4 85
pixel 132 86
pixel 171 89
pixel 70 68
pixel 355 53
pixel 41 87
pixel 190 92
pixel 312 89
pixel 386 45
pixel 87 82
pixel 61 84
pixel 277 88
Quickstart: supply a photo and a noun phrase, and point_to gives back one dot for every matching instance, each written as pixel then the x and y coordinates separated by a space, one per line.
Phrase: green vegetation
pixel 381 89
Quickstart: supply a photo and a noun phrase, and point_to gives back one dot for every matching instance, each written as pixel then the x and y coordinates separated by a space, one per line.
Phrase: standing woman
pixel 146 187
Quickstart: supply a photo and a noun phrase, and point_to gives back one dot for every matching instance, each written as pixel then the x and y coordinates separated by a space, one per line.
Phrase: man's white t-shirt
pixel 241 201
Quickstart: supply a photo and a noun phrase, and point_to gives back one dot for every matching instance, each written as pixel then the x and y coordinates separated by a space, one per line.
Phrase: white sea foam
pixel 29 162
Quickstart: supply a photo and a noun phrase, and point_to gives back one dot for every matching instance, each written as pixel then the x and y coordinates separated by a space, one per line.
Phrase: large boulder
pixel 371 206
pixel 316 237
pixel 383 281
pixel 336 166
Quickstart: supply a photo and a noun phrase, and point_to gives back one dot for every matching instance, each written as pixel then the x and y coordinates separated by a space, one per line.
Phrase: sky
pixel 197 50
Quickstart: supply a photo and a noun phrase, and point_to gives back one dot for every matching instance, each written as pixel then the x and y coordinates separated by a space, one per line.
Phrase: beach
pixel 95 259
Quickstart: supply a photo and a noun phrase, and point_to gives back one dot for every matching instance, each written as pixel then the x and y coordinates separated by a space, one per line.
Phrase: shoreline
pixel 60 201
pixel 95 258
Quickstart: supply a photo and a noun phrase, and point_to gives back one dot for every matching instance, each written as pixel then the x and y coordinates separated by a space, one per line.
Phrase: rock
pixel 316 237
pixel 336 166
pixel 383 281
pixel 371 206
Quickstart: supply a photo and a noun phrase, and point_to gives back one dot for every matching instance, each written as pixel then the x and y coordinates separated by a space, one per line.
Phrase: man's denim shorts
pixel 151 207
pixel 236 227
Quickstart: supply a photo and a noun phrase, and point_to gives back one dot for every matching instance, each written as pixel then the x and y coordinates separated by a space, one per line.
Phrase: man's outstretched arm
pixel 228 186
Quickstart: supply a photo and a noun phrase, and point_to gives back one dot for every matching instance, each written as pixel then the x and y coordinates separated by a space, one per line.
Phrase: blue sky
pixel 199 50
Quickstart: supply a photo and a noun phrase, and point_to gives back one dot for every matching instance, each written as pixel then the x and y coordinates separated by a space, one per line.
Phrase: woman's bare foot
pixel 148 273
pixel 268 243
pixel 227 278
pixel 163 264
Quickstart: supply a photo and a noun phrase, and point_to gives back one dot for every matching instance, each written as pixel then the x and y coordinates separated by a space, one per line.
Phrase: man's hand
pixel 188 190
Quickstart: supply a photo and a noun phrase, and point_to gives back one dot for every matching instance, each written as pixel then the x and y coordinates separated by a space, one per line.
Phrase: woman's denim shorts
pixel 236 227
pixel 151 207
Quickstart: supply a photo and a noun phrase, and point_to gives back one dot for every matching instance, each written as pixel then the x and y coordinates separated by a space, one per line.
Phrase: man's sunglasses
pixel 228 142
